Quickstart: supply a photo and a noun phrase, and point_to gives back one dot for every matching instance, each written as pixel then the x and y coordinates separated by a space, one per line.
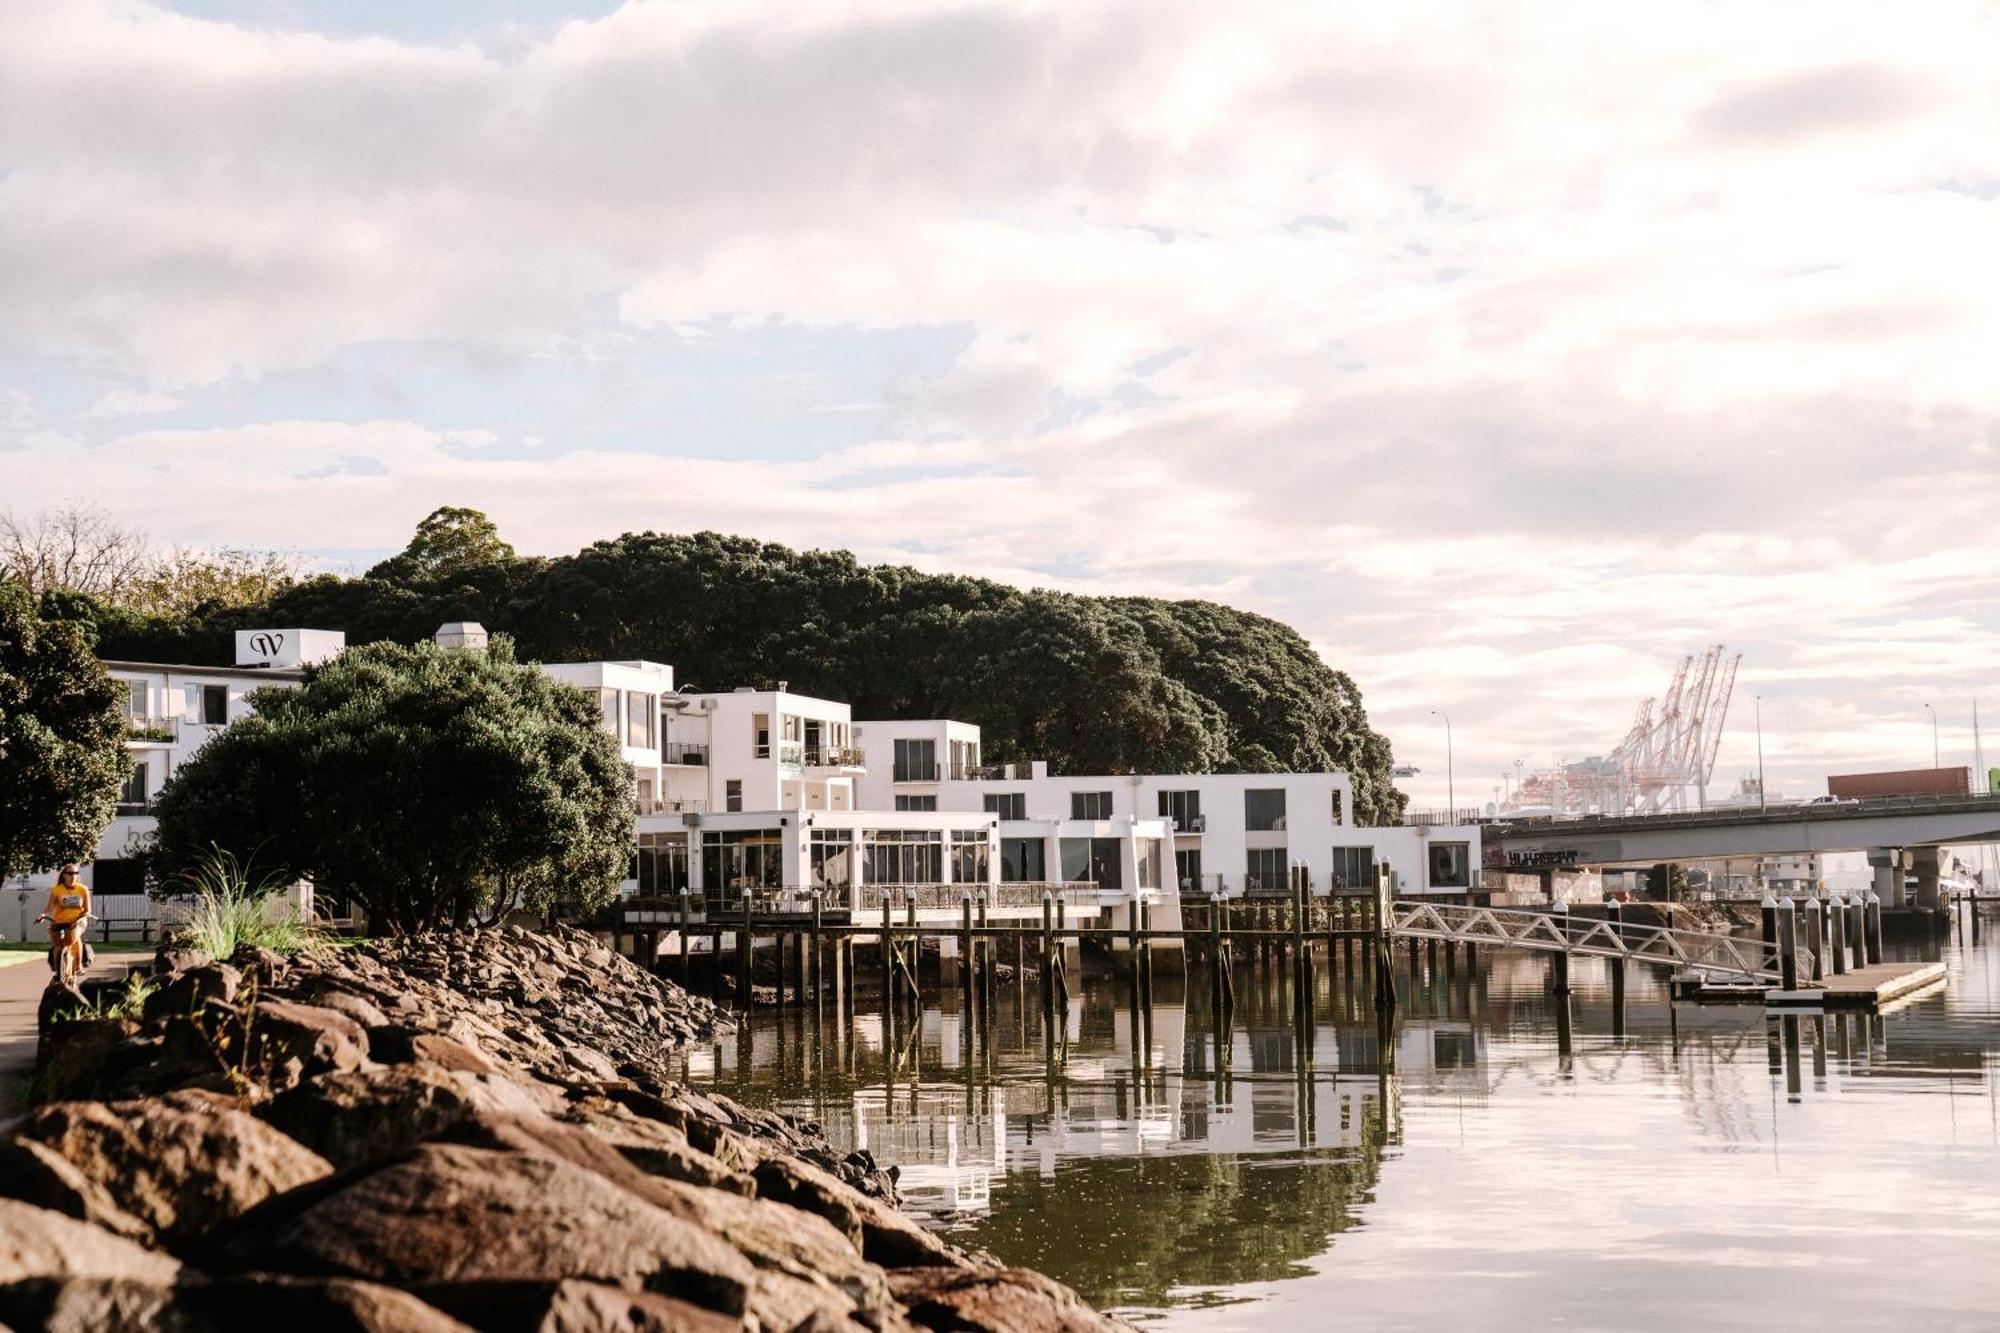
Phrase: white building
pixel 774 791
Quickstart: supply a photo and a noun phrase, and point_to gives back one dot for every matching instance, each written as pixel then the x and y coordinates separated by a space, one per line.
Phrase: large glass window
pixel 1184 808
pixel 1090 805
pixel 970 857
pixel 916 802
pixel 663 863
pixel 1353 867
pixel 733 860
pixel 916 760
pixel 607 708
pixel 1022 861
pixel 1007 804
pixel 903 856
pixel 832 853
pixel 1187 867
pixel 640 712
pixel 1451 865
pixel 760 735
pixel 1337 819
pixel 133 793
pixel 1264 809
pixel 1092 861
pixel 1266 870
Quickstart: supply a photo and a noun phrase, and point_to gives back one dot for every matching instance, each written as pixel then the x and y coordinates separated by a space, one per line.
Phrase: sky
pixel 1510 352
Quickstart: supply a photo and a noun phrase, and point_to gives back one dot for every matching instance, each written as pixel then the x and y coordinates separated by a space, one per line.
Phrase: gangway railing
pixel 1731 956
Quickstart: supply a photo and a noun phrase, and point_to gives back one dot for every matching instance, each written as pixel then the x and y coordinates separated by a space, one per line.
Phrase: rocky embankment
pixel 464 1131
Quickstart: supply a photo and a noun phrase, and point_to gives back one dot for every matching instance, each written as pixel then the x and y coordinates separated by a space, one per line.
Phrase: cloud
pixel 1510 359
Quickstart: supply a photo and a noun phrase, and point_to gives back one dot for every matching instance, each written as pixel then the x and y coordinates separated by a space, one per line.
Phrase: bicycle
pixel 66 952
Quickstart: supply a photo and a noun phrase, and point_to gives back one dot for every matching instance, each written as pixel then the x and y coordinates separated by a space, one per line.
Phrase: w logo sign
pixel 266 643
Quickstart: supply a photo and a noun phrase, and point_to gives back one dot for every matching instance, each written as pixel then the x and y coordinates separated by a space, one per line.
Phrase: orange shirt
pixel 68 902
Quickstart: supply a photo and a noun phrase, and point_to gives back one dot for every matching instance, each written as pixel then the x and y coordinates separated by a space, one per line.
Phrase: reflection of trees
pixel 1133 1230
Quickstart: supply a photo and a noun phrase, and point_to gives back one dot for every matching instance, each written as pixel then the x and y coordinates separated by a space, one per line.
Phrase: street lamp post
pixel 1760 753
pixel 1934 739
pixel 1450 783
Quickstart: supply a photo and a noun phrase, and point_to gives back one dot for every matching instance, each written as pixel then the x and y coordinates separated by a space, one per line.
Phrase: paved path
pixel 21 986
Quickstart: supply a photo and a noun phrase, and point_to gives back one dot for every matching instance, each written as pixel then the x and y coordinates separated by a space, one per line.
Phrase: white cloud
pixel 114 403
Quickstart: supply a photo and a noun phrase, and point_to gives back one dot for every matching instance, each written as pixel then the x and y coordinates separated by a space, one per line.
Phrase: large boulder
pixel 288 1042
pixel 359 1116
pixel 572 1307
pixel 883 1235
pixel 181 1165
pixel 446 1213
pixel 80 1059
pixel 102 1305
pixel 35 1242
pixel 996 1300
pixel 35 1173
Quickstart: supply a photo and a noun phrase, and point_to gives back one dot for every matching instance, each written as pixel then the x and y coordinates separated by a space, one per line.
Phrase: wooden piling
pixel 743 947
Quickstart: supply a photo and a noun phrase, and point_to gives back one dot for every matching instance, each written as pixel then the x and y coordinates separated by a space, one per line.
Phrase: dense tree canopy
pixel 62 736
pixel 430 785
pixel 1091 684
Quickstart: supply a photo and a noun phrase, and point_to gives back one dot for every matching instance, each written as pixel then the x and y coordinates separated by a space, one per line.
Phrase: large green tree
pixel 430 785
pixel 1091 684
pixel 62 737
pixel 450 540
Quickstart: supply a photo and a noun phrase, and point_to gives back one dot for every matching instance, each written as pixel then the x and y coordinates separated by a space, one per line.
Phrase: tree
pixel 188 581
pixel 62 738
pixel 449 541
pixel 74 548
pixel 428 784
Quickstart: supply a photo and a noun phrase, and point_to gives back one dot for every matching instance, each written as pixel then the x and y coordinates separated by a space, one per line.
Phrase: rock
pixel 449 1213
pixel 96 1305
pixel 78 1059
pixel 35 1242
pixel 659 1149
pixel 180 1168
pixel 996 1300
pixel 883 1235
pixel 359 1008
pixel 572 1307
pixel 400 1045
pixel 310 1037
pixel 358 1116
pixel 187 992
pixel 37 1174
pixel 265 965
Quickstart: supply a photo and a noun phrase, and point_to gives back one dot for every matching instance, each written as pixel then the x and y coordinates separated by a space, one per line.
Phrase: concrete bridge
pixel 1901 836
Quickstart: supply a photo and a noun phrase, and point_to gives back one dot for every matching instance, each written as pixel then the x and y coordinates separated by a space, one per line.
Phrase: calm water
pixel 1486 1163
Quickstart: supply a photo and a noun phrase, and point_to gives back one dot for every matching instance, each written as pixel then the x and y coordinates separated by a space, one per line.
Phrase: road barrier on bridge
pixel 1730 956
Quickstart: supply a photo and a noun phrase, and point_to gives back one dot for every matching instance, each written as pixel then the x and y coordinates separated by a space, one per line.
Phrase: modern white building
pixel 775 792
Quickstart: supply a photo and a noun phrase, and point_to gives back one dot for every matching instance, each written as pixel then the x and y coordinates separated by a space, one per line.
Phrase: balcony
pixel 152 730
pixel 1189 823
pixel 1000 772
pixel 670 805
pixel 835 756
pixel 691 754
pixel 917 773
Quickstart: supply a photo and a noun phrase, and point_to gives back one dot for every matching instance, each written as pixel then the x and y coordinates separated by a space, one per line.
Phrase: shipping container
pixel 1901 782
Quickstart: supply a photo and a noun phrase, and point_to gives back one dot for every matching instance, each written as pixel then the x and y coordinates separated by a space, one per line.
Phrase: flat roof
pixel 189 669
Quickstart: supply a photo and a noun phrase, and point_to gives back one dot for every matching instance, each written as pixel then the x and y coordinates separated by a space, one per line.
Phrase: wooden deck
pixel 1863 988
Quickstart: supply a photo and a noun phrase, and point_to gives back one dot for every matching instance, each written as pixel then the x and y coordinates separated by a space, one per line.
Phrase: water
pixel 1501 1163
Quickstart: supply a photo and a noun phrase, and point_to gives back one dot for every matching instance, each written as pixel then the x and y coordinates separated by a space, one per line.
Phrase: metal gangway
pixel 1732 957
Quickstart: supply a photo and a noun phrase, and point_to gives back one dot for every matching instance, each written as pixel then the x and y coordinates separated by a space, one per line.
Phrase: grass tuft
pixel 230 912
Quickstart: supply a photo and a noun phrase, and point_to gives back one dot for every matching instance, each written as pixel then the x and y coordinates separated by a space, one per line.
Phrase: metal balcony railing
pixel 835 756
pixel 152 730
pixel 671 805
pixel 1189 823
pixel 1000 772
pixel 692 753
pixel 917 773
pixel 1441 818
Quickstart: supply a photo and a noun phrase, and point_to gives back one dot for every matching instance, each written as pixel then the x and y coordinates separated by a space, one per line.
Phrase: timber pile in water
pixel 466 1130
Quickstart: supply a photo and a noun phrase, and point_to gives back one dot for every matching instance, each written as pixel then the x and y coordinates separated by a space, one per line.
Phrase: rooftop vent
pixel 461 634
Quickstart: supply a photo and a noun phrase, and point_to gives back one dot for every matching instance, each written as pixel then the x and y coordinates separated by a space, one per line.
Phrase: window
pixel 1149 863
pixel 1187 868
pixel 214 704
pixel 964 758
pixel 832 853
pixel 737 860
pixel 663 864
pixel 903 856
pixel 970 857
pixel 1184 808
pixel 1353 867
pixel 916 761
pixel 1451 865
pixel 760 742
pixel 1090 805
pixel 135 698
pixel 639 713
pixel 1337 819
pixel 1266 870
pixel 732 794
pixel 1007 804
pixel 1021 861
pixel 1093 861
pixel 1264 809
pixel 134 791
pixel 916 802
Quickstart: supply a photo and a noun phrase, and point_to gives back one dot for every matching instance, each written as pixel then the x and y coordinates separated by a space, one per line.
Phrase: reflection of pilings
pixel 1564 1034
pixel 1789 1025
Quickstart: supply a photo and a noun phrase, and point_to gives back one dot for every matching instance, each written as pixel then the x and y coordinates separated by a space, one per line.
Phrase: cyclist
pixel 68 910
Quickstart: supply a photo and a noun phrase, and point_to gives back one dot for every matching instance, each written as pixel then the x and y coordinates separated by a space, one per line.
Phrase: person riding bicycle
pixel 68 909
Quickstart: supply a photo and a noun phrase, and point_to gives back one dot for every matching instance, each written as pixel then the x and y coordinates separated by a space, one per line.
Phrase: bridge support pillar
pixel 1925 867
pixel 1887 863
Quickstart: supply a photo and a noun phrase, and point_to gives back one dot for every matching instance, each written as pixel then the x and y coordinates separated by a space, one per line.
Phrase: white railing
pixel 1560 932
